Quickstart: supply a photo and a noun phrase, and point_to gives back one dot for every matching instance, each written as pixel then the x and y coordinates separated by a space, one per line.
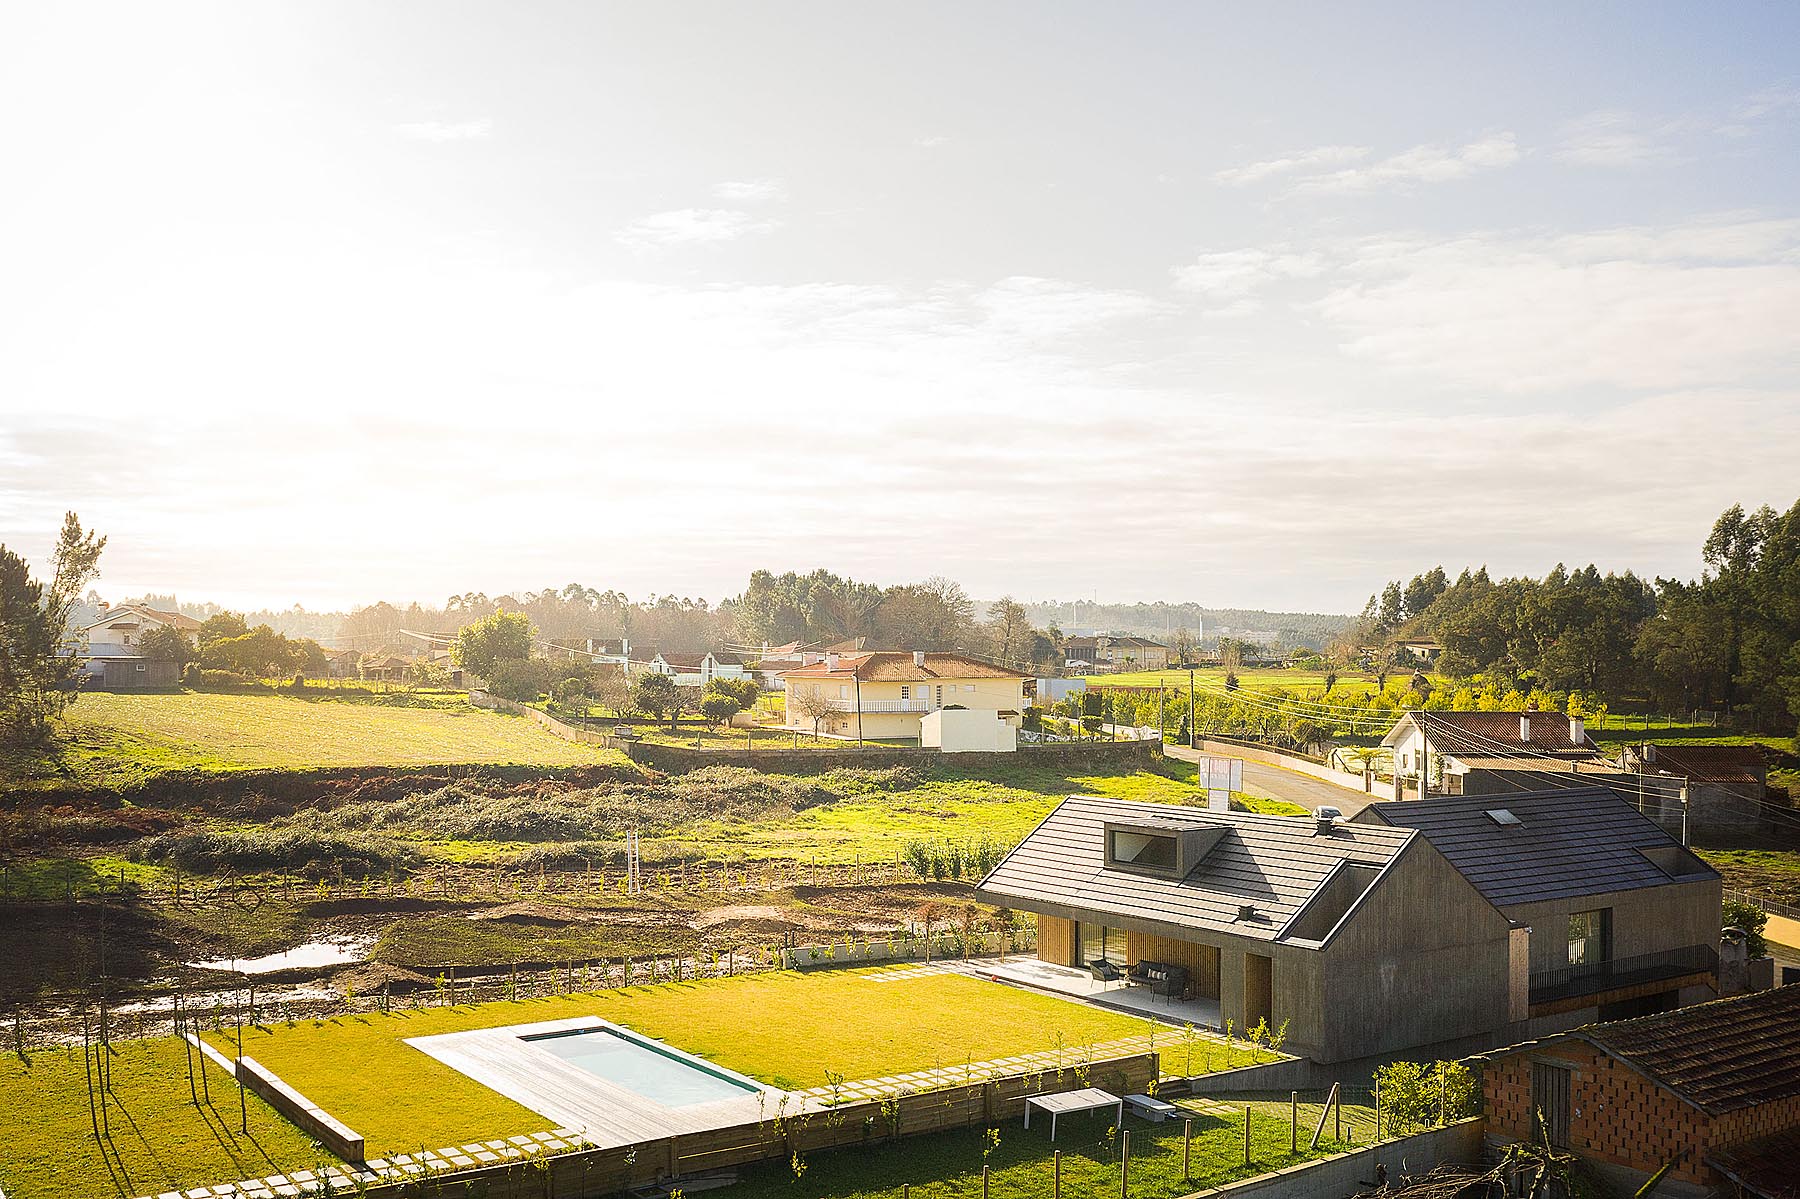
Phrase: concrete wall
pixel 1347 1173
pixel 675 759
pixel 1645 920
pixel 1423 958
pixel 1271 757
pixel 955 732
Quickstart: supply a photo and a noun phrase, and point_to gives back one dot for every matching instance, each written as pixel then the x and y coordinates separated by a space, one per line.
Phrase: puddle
pixel 310 956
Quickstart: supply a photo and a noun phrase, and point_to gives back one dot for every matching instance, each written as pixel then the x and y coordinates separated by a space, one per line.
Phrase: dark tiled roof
pixel 1719 1056
pixel 1712 763
pixel 894 666
pixel 1769 1168
pixel 1578 841
pixel 1496 732
pixel 1273 862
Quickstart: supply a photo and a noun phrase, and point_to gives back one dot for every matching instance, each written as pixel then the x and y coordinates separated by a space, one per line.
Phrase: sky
pixel 1244 305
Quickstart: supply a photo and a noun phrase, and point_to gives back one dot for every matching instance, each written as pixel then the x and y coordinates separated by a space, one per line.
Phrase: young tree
pixel 164 644
pixel 1183 646
pixel 1009 629
pixel 502 637
pixel 36 676
pixel 719 706
pixel 815 706
pixel 656 696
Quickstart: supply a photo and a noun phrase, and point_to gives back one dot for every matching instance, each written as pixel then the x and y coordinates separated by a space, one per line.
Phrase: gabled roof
pixel 896 666
pixel 1275 863
pixel 177 620
pixel 1493 732
pixel 1720 1057
pixel 1576 841
pixel 1711 763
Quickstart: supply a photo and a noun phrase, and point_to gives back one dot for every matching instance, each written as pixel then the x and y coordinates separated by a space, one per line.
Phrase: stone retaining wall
pixel 673 759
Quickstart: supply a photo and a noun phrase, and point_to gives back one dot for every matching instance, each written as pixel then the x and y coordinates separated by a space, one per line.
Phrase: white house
pixel 119 631
pixel 697 670
pixel 1447 746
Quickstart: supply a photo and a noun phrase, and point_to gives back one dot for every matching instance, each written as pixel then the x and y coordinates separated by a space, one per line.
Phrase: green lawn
pixel 160 1139
pixel 787 1029
pixel 948 1165
pixel 116 739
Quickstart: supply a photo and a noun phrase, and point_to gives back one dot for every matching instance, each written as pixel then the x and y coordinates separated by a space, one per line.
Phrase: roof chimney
pixel 1649 752
pixel 919 658
pixel 1525 726
pixel 1577 731
pixel 1322 827
pixel 831 661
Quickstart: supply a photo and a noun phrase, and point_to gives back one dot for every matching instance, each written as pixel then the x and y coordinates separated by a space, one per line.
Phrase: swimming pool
pixel 640 1067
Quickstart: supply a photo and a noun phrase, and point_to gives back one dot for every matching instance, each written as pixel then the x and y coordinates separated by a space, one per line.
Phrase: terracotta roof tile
pixel 1712 763
pixel 897 666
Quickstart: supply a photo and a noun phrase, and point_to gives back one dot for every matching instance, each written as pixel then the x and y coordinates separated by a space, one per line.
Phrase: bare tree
pixel 815 706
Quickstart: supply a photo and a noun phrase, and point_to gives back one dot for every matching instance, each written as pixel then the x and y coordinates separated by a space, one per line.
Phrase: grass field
pixel 785 1029
pixel 115 739
pixel 948 1166
pixel 160 1139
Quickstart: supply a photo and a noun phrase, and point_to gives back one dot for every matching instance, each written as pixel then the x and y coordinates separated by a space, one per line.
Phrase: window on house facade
pixel 905 691
pixel 1590 937
pixel 843 691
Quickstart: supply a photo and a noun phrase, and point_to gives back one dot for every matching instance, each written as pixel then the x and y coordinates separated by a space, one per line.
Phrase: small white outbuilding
pixel 959 730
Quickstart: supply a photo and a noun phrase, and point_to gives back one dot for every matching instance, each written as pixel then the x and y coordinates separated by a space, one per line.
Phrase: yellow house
pixel 882 694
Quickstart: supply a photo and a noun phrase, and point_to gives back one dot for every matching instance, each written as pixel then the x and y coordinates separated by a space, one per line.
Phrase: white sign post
pixel 1219 777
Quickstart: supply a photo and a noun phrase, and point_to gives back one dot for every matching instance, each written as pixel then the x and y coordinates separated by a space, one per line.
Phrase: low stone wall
pixel 545 721
pixel 1350 1173
pixel 672 759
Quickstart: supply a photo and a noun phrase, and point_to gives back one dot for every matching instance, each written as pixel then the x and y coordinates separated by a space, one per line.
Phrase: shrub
pixel 1752 919
pixel 272 848
pixel 224 678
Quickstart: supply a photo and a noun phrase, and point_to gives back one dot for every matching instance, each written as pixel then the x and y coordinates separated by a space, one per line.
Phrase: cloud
pixel 1611 139
pixel 1421 164
pixel 1706 304
pixel 1304 160
pixel 750 191
pixel 691 226
pixel 1234 274
pixel 445 131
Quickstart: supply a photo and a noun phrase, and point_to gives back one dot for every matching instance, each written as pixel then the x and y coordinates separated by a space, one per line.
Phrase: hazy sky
pixel 1243 304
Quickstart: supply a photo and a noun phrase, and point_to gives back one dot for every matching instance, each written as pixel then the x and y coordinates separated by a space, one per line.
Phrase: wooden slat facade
pixel 1201 961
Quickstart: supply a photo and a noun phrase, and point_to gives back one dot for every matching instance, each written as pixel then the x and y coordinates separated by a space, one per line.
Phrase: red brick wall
pixel 1765 1119
pixel 1616 1114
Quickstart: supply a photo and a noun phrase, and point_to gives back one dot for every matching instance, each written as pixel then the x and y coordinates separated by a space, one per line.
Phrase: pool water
pixel 643 1069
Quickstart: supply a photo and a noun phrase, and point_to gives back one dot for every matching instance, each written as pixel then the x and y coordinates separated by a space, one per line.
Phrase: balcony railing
pixel 889 705
pixel 1571 981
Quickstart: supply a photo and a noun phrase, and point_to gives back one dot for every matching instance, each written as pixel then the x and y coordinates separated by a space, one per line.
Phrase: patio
pixel 1069 982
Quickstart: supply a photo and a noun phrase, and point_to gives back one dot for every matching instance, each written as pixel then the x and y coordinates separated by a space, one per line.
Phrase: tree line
pixel 1729 640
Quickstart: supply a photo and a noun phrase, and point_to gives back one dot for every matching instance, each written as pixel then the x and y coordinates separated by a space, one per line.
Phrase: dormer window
pixel 1147 851
pixel 1154 849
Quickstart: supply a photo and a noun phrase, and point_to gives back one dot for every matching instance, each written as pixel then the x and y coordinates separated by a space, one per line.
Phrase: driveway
pixel 1277 782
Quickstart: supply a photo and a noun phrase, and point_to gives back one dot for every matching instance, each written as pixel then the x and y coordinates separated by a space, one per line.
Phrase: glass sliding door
pixel 1098 941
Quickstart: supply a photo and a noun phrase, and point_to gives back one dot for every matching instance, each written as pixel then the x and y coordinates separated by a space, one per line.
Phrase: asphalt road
pixel 1275 782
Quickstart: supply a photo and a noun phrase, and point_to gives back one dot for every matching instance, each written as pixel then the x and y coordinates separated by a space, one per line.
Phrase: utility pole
pixel 1193 724
pixel 857 679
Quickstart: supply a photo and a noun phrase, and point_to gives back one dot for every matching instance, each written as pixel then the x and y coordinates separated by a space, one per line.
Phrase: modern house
pixel 882 694
pixel 1361 939
pixel 1115 652
pixel 1416 924
pixel 1482 753
pixel 1621 920
pixel 1727 785
pixel 1710 1091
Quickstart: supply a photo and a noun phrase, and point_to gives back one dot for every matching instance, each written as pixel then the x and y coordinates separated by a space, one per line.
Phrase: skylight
pixel 1503 817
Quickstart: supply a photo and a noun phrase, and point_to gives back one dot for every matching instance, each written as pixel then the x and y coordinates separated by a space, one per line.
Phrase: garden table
pixel 1088 1100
